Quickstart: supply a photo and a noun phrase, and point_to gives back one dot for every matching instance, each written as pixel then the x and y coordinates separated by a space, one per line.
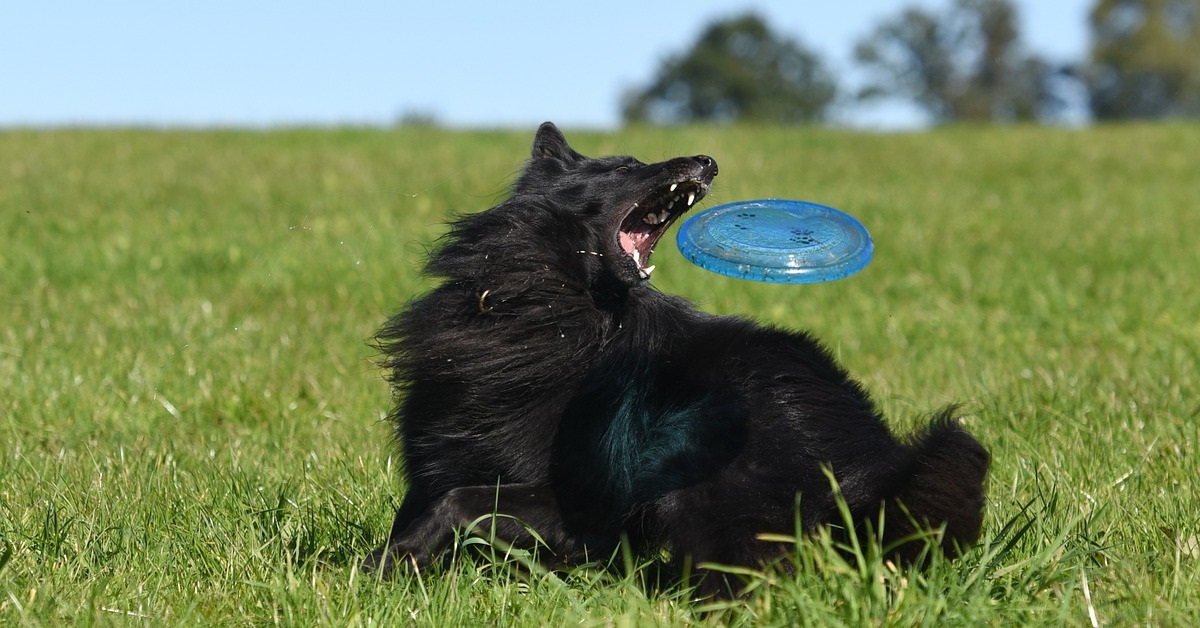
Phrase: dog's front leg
pixel 517 514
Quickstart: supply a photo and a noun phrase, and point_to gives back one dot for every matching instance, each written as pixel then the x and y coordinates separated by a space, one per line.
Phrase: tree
pixel 1145 59
pixel 965 64
pixel 737 70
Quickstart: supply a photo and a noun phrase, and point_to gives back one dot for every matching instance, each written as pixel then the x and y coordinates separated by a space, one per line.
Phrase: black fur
pixel 545 379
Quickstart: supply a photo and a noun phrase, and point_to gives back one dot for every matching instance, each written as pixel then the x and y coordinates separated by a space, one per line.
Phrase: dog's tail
pixel 945 487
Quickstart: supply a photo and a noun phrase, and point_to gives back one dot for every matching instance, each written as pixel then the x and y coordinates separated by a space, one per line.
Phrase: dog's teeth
pixel 649 269
pixel 665 216
pixel 637 257
pixel 671 204
pixel 673 186
pixel 691 199
pixel 650 218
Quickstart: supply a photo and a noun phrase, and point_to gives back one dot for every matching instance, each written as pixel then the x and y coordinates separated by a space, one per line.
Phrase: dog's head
pixel 621 207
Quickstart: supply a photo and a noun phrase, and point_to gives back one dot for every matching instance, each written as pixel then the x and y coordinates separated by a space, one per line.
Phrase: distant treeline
pixel 967 62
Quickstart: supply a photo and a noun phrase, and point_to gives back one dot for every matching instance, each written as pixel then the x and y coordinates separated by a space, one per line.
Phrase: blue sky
pixel 476 64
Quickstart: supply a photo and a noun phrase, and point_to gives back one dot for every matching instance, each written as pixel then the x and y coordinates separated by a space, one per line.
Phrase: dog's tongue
pixel 631 242
pixel 627 242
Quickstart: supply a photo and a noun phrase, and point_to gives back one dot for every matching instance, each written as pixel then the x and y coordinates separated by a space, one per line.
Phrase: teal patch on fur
pixel 643 434
pixel 644 444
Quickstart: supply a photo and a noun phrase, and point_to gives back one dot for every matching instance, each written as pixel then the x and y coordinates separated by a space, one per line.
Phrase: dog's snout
pixel 707 163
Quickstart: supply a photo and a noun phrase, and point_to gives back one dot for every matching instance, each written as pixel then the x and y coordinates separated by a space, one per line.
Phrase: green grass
pixel 190 420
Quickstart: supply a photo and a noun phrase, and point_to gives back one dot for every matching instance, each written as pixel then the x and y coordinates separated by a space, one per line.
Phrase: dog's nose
pixel 708 163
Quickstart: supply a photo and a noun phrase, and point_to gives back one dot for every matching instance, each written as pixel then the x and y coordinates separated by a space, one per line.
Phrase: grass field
pixel 190 420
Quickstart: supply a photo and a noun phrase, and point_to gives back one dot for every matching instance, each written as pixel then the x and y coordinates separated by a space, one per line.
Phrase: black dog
pixel 545 379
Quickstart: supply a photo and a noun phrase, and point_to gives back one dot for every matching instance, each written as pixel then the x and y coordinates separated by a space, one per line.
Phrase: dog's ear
pixel 549 143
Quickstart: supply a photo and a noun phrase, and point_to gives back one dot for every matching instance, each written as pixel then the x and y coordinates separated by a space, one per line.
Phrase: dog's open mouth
pixel 649 218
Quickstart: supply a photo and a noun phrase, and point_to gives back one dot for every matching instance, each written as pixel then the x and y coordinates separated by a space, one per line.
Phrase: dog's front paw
pixel 387 562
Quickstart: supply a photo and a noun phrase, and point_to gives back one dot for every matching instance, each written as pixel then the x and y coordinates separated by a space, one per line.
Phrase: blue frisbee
pixel 776 240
